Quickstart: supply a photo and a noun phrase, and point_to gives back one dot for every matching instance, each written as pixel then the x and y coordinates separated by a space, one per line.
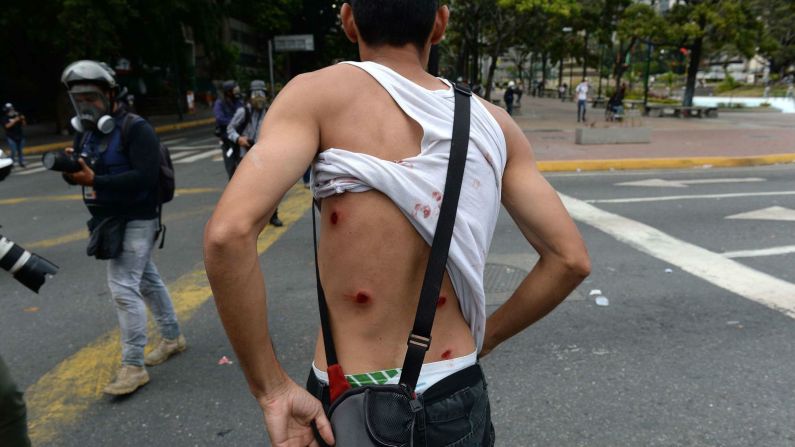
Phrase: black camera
pixel 28 268
pixel 61 161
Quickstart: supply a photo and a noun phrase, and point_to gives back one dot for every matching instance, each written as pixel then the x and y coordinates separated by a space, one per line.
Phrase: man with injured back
pixel 377 134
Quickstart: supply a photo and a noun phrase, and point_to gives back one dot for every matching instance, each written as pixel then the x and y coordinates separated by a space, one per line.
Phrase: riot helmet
pixel 88 83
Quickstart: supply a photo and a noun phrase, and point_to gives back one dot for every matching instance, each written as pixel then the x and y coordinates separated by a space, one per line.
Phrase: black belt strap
pixel 420 338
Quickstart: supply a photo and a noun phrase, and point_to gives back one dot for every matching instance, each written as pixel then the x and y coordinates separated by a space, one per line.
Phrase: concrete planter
pixel 613 135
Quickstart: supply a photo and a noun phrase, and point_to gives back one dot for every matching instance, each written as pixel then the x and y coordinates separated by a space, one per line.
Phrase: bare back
pixel 371 258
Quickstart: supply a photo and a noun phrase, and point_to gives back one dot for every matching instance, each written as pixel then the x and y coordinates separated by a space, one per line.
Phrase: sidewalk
pixel 733 139
pixel 41 137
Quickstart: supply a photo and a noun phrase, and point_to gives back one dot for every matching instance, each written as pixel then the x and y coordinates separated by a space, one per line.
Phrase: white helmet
pixel 89 77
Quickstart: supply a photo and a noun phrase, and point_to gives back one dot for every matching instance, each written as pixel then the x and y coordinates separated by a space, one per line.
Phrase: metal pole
pixel 270 67
pixel 649 47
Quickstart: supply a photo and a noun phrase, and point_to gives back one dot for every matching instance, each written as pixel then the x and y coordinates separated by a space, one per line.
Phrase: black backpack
pixel 166 185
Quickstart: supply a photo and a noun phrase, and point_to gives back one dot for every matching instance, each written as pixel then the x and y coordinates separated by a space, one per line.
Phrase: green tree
pixel 695 24
pixel 778 40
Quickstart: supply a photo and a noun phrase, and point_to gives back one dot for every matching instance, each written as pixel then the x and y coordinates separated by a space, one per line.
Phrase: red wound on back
pixel 334 218
pixel 362 298
pixel 337 382
pixel 442 301
pixel 446 354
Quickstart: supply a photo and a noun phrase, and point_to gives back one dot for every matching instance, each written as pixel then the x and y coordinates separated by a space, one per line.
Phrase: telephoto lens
pixel 28 268
pixel 60 161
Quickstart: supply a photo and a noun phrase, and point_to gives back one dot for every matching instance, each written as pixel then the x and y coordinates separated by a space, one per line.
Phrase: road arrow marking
pixel 712 267
pixel 775 251
pixel 772 213
pixel 660 183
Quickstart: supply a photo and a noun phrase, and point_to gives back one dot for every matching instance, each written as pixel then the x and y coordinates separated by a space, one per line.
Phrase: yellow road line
pixel 71 197
pixel 83 234
pixel 60 397
pixel 663 163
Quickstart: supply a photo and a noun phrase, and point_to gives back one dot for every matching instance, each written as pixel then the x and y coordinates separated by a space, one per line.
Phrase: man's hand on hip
pixel 289 413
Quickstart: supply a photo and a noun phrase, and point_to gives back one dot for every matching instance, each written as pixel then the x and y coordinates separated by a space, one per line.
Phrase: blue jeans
pixel 16 150
pixel 581 105
pixel 135 284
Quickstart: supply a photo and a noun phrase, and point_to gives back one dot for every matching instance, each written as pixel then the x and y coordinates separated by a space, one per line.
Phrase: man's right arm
pixel 231 128
pixel 286 145
pixel 543 220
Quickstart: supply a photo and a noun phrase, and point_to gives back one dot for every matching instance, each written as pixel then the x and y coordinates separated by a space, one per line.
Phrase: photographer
pixel 13 122
pixel 119 157
pixel 32 271
pixel 224 109
pixel 244 127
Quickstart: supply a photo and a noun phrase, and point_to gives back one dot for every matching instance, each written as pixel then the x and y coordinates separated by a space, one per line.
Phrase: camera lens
pixel 59 161
pixel 29 269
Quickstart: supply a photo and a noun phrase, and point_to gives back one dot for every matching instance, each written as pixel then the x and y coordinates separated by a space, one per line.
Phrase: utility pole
pixel 649 48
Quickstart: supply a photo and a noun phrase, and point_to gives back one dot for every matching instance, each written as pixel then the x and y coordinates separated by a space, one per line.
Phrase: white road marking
pixel 660 183
pixel 192 147
pixel 182 154
pixel 693 197
pixel 773 251
pixel 174 141
pixel 771 213
pixel 707 265
pixel 196 157
pixel 32 171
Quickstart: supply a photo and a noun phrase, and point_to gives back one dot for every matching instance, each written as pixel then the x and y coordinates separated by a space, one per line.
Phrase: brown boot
pixel 165 349
pixel 128 379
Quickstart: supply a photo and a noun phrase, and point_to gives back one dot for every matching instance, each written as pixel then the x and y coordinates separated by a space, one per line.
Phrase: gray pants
pixel 457 411
pixel 135 284
pixel 13 419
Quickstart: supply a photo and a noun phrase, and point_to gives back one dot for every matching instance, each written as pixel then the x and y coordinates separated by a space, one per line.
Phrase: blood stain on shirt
pixel 437 196
pixel 426 211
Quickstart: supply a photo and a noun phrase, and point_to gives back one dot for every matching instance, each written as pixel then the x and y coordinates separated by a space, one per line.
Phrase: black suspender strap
pixel 420 338
pixel 325 323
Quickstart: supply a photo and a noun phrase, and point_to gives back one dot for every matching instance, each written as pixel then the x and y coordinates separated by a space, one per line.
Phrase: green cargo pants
pixel 13 418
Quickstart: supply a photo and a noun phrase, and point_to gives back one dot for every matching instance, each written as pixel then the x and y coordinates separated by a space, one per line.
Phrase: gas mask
pixel 92 107
pixel 258 100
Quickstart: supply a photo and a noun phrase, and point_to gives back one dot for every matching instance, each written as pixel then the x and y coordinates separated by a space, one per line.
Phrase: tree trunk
pixel 544 69
pixel 492 69
pixel 622 58
pixel 692 71
pixel 585 57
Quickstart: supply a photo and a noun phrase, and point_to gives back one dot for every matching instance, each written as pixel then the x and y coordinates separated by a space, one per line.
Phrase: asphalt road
pixel 695 347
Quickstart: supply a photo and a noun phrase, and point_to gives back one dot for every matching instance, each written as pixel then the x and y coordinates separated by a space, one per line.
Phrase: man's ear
pixel 440 24
pixel 348 24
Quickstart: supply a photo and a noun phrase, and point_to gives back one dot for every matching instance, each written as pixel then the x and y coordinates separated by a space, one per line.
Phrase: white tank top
pixel 416 184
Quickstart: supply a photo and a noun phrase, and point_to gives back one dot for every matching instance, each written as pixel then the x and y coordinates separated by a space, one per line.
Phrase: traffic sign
pixel 294 42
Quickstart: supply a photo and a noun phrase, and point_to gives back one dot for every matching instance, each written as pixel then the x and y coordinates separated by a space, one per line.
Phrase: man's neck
pixel 406 61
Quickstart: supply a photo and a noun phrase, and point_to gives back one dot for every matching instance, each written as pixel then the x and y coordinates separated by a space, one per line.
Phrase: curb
pixel 34 150
pixel 621 164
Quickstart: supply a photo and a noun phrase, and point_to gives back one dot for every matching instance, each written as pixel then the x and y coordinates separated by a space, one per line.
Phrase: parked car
pixel 6 164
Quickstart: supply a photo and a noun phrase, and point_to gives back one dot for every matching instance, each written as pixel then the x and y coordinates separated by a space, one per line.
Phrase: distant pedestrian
pixel 508 97
pixel 13 122
pixel 224 109
pixel 791 92
pixel 519 93
pixel 582 99
pixel 243 129
pixel 562 92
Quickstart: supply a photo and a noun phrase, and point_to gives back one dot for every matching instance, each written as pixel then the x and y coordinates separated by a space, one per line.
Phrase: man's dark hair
pixel 394 22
